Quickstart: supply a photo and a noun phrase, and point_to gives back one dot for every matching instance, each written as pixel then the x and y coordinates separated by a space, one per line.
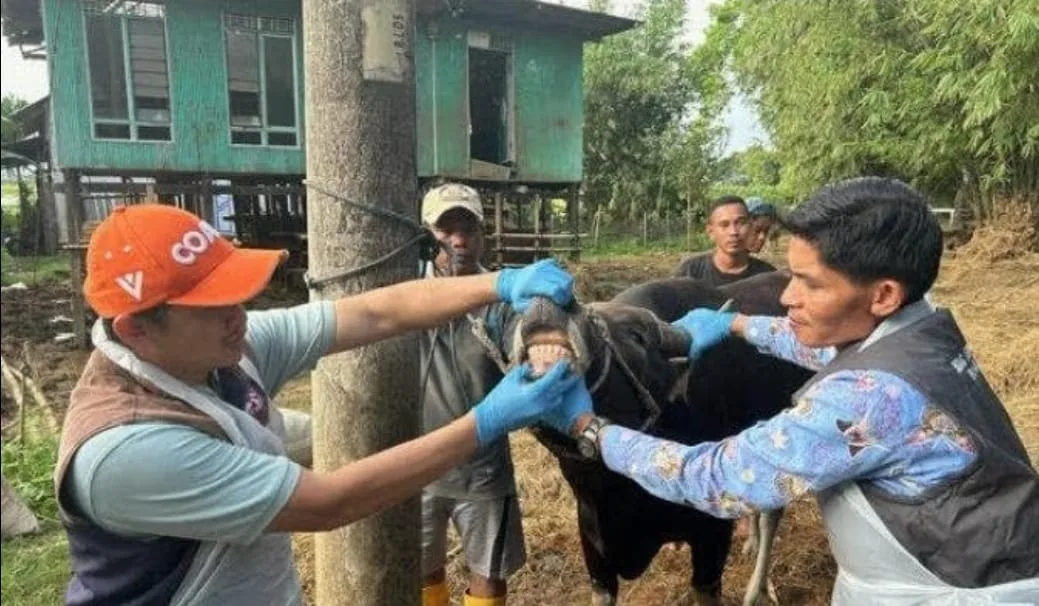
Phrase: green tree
pixel 11 130
pixel 756 165
pixel 649 143
pixel 938 92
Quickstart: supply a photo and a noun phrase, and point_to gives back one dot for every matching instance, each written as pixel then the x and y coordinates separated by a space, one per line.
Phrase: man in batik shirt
pixel 926 490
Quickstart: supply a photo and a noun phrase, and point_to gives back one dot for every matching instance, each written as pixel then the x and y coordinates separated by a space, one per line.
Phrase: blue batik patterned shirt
pixel 864 425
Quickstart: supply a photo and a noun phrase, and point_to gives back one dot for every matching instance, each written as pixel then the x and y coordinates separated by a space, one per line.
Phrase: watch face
pixel 586 448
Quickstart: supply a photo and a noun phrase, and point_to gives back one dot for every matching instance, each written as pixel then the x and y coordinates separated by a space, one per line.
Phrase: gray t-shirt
pixel 172 480
pixel 456 375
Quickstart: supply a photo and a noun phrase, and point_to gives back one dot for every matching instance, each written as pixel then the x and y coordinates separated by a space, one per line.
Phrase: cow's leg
pixel 710 549
pixel 604 580
pixel 753 533
pixel 767 524
pixel 603 576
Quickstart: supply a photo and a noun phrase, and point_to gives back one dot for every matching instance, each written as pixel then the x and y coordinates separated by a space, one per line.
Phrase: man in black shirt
pixel 730 261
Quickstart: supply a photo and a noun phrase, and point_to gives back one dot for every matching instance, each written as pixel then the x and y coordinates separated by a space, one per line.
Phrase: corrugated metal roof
pixel 23 24
pixel 530 13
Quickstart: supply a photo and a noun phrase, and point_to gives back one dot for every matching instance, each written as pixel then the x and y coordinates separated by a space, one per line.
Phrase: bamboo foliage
pixel 938 92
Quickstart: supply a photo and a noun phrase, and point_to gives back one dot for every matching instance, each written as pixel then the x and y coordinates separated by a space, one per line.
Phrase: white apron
pixel 874 568
pixel 262 572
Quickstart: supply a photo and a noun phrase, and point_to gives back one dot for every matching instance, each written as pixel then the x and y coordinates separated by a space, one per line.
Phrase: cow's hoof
pixel 601 597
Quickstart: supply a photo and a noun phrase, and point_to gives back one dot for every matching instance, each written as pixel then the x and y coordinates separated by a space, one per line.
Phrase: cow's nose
pixel 543 315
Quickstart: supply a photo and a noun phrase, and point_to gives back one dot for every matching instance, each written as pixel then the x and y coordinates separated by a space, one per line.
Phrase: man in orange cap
pixel 171 477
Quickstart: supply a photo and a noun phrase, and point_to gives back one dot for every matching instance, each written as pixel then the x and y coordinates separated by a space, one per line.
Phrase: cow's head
pixel 624 353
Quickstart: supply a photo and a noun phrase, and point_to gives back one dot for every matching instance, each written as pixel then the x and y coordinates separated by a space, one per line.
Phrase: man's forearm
pixel 428 303
pixel 323 501
pixel 414 305
pixel 774 336
pixel 699 476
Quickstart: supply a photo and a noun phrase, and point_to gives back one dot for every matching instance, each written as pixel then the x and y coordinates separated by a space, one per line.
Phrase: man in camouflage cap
pixel 479 496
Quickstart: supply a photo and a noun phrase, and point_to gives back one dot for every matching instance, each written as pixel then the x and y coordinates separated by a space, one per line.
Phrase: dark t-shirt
pixel 702 267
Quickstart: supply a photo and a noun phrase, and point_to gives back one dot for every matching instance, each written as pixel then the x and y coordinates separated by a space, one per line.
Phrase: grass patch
pixel 28 466
pixel 634 245
pixel 36 568
pixel 33 269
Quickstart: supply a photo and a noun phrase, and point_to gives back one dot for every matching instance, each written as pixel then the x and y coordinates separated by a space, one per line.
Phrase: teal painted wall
pixel 424 103
pixel 198 95
pixel 548 96
pixel 549 107
pixel 547 79
pixel 442 104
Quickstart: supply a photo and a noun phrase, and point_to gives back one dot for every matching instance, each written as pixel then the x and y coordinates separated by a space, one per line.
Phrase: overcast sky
pixel 22 77
pixel 27 78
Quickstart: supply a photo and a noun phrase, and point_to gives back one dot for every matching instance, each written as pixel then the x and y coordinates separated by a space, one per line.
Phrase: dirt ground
pixel 27 343
pixel 992 295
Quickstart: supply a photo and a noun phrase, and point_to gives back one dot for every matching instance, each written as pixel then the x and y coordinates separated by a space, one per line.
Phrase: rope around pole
pixel 427 242
pixel 369 208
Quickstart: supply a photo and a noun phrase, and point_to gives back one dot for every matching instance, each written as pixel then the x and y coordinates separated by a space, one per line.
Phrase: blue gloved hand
pixel 707 328
pixel 546 278
pixel 575 402
pixel 517 401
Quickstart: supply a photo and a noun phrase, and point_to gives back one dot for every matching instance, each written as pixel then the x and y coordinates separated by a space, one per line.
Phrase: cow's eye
pixel 636 336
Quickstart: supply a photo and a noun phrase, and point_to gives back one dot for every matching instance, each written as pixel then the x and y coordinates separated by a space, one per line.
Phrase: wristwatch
pixel 588 440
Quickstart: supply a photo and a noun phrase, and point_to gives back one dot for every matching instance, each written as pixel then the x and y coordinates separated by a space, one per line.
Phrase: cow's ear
pixel 681 369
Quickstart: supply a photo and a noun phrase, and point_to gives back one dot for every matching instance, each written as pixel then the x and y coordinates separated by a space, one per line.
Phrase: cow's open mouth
pixel 547 347
pixel 549 334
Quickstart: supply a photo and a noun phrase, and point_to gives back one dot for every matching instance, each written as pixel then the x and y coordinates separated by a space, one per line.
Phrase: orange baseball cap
pixel 147 254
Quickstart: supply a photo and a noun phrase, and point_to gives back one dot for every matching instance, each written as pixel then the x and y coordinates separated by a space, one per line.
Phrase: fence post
pixel 645 229
pixel 499 228
pixel 689 222
pixel 537 226
pixel 77 248
pixel 596 221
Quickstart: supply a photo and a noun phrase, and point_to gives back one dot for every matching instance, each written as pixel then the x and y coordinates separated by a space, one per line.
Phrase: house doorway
pixel 490 100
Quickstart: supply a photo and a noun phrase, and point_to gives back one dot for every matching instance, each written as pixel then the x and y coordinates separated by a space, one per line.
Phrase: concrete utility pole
pixel 360 116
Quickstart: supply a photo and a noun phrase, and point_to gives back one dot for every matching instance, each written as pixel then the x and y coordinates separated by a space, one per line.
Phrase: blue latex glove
pixel 707 327
pixel 546 278
pixel 518 402
pixel 575 402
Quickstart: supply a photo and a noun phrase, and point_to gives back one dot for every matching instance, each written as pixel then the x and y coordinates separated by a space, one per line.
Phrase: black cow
pixel 732 386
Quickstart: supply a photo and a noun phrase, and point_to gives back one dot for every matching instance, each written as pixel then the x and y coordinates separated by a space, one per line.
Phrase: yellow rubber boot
pixel 435 595
pixel 475 601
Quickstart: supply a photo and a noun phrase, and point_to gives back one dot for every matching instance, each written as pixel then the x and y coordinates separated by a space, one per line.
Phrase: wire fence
pixel 650 231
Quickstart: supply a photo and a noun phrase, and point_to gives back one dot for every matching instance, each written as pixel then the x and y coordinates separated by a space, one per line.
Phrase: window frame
pixel 131 121
pixel 265 129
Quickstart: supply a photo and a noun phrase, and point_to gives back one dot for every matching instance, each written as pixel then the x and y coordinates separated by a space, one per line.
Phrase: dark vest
pixel 110 568
pixel 980 528
pixel 113 569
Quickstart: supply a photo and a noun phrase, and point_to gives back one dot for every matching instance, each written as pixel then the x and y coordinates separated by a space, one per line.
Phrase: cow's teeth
pixel 542 357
